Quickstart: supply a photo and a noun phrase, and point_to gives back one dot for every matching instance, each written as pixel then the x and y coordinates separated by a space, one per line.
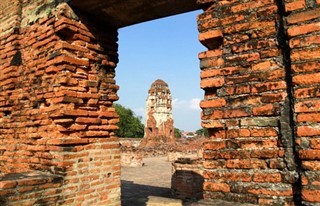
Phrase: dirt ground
pixel 152 179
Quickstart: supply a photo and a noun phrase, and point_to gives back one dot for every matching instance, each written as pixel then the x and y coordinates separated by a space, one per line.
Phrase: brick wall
pixel 56 91
pixel 260 95
pixel 187 179
pixel 303 28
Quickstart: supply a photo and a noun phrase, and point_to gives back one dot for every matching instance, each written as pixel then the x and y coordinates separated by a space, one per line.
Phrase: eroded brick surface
pixel 56 91
pixel 260 106
pixel 303 28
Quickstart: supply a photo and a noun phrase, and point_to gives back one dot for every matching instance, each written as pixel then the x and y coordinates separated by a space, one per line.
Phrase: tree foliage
pixel 177 133
pixel 130 125
pixel 202 132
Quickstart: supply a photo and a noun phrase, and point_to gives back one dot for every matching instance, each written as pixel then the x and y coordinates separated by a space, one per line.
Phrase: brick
pixel 265 65
pixel 246 164
pixel 305 54
pixel 210 39
pixel 216 187
pixel 308 117
pixel 266 153
pixel 309 154
pixel 228 176
pixel 217 72
pixel 310 195
pixel 308 130
pixel 214 164
pixel 306 67
pixel 307 92
pixel 304 41
pixel 307 106
pixel 236 113
pixel 226 155
pixel 253 44
pixel 238 90
pixel 295 5
pixel 314 143
pixel 213 103
pixel 250 5
pixel 243 57
pixel 263 87
pixel 85 120
pixel 212 82
pixel 303 16
pixel 263 110
pixel 8 184
pixel 311 165
pixel 306 79
pixel 212 124
pixel 267 177
pixel 287 192
pixel 211 53
pixel 303 29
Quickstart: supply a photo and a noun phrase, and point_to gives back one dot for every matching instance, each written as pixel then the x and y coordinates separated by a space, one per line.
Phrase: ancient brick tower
pixel 159 123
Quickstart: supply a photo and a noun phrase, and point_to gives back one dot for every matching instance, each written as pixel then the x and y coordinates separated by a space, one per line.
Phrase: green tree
pixel 130 125
pixel 177 133
pixel 202 132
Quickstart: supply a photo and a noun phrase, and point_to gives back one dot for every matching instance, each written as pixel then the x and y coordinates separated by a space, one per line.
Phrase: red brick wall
pixel 56 91
pixel 187 179
pixel 303 28
pixel 260 95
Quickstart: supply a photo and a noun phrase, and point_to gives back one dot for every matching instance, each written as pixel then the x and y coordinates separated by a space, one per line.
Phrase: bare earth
pixel 152 179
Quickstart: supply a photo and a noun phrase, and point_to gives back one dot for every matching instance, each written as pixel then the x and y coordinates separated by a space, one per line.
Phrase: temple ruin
pixel 159 127
pixel 260 73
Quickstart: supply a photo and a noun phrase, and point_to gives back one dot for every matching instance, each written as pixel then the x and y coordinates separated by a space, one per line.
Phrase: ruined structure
pixel 159 123
pixel 261 105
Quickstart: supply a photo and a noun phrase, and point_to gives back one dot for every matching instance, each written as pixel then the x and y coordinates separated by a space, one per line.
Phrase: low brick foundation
pixel 187 179
pixel 30 189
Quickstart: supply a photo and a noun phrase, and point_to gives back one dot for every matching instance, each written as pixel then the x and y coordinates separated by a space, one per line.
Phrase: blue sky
pixel 164 49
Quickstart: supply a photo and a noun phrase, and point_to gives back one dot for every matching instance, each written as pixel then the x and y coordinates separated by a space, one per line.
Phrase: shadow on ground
pixel 137 195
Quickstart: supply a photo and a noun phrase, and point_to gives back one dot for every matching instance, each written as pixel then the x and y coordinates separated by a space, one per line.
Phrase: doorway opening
pixel 164 49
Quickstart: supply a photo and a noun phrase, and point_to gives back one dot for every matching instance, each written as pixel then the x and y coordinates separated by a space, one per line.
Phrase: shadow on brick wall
pixel 187 185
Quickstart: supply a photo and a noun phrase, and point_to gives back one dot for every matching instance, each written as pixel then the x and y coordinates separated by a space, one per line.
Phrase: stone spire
pixel 159 123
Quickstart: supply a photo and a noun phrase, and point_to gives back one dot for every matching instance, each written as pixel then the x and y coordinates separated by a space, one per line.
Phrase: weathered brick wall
pixel 249 74
pixel 187 179
pixel 303 28
pixel 56 91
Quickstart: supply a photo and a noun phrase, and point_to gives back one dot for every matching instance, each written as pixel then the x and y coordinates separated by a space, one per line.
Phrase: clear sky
pixel 164 49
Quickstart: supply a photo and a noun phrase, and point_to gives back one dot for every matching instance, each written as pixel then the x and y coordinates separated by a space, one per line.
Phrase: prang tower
pixel 159 123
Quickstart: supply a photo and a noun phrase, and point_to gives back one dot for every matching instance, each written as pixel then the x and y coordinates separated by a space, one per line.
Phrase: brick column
pixel 56 118
pixel 303 29
pixel 248 104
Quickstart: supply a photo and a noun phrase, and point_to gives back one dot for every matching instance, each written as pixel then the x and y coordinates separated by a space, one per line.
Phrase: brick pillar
pixel 248 104
pixel 303 27
pixel 56 118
